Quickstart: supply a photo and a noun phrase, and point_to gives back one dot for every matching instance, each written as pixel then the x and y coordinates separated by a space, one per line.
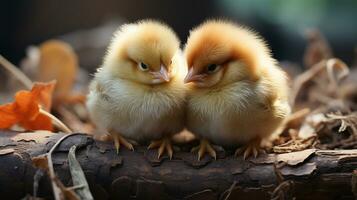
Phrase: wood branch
pixel 308 174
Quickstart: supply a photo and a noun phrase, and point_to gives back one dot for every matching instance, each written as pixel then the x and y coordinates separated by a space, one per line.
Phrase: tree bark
pixel 308 174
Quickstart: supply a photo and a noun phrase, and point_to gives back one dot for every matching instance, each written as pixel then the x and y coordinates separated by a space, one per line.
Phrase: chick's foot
pixel 162 144
pixel 251 149
pixel 118 139
pixel 204 147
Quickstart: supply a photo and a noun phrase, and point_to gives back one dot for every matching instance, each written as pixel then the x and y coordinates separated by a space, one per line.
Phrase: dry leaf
pixel 346 121
pixel 295 158
pixel 295 145
pixel 6 151
pixel 78 177
pixel 40 162
pixel 312 123
pixel 25 110
pixel 318 48
pixel 36 136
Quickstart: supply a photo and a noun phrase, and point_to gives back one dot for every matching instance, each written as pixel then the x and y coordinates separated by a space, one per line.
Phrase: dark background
pixel 281 23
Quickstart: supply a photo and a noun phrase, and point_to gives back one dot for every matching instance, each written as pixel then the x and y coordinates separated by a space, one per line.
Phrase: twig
pixel 73 122
pixel 298 114
pixel 284 185
pixel 18 74
pixel 280 190
pixel 229 191
pixel 56 121
pixel 56 189
pixel 296 117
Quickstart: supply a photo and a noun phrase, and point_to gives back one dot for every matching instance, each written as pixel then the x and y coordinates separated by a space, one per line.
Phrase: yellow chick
pixel 238 94
pixel 138 93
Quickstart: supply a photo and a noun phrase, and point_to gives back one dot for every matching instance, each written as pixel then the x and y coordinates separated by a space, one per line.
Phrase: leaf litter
pixel 324 102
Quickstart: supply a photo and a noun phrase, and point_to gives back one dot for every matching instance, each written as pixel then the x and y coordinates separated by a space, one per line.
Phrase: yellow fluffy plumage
pixel 238 94
pixel 138 93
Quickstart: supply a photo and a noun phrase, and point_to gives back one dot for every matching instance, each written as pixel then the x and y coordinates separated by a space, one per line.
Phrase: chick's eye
pixel 143 66
pixel 212 68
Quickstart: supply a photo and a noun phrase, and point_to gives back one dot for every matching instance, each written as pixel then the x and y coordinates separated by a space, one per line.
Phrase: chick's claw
pixel 118 139
pixel 162 144
pixel 252 149
pixel 204 147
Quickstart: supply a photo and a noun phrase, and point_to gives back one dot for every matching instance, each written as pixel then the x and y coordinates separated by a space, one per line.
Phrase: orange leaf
pixel 8 117
pixel 26 105
pixel 41 122
pixel 44 92
pixel 25 110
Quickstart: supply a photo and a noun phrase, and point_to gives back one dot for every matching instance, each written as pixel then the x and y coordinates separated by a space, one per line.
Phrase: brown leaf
pixel 295 158
pixel 40 162
pixel 317 49
pixel 6 151
pixel 36 136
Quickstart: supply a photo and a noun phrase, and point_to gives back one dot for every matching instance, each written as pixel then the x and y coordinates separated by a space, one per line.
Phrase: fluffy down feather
pixel 238 94
pixel 138 92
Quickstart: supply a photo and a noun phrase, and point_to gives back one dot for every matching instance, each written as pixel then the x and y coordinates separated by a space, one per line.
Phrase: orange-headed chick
pixel 138 93
pixel 238 94
pixel 59 62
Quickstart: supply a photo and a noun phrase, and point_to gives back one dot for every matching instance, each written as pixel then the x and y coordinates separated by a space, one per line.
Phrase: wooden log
pixel 308 174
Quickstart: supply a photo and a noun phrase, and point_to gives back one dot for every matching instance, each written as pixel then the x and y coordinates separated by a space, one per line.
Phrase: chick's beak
pixel 161 76
pixel 164 74
pixel 193 77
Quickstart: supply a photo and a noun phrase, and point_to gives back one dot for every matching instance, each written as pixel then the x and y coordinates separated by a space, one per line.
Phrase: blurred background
pixel 88 24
